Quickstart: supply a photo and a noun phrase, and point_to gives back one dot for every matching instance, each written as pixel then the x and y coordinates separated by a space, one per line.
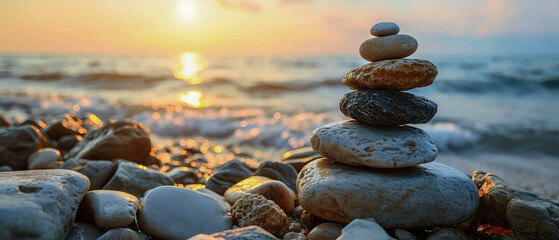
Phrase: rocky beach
pixel 76 172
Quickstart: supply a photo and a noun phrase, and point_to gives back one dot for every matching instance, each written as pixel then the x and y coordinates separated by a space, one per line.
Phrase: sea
pixel 497 114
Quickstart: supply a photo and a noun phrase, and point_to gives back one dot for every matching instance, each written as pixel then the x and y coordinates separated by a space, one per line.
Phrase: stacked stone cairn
pixel 377 166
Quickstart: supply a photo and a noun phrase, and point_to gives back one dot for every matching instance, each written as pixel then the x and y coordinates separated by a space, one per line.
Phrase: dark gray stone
pixel 84 231
pixel 136 179
pixel 39 204
pixel 387 108
pixel 66 126
pixel 68 142
pixel 228 175
pixel 115 140
pixel 17 144
pixel 278 171
pixel 252 232
pixel 98 172
pixel 183 175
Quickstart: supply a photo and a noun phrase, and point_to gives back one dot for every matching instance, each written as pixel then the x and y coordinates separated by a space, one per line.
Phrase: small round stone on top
pixel 385 29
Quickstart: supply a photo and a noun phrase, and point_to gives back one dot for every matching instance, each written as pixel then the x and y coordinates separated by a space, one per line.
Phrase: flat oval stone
pixel 431 194
pixel 109 209
pixel 387 108
pixel 397 75
pixel 388 47
pixel 44 158
pixel 359 144
pixel 179 213
pixel 385 29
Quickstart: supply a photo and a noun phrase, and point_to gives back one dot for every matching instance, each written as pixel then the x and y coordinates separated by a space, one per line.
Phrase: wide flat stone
pixel 39 204
pixel 397 75
pixel 359 144
pixel 431 194
pixel 109 209
pixel 179 213
pixel 388 47
pixel 17 144
pixel 136 179
pixel 273 190
pixel 387 108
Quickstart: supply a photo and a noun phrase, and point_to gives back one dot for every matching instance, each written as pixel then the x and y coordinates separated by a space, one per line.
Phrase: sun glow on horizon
pixel 192 98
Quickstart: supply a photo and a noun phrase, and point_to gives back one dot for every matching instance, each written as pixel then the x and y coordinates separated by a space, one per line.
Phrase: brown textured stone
pixel 504 205
pixel 397 74
pixel 254 209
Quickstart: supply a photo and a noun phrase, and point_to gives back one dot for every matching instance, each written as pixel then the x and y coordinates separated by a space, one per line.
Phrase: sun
pixel 187 10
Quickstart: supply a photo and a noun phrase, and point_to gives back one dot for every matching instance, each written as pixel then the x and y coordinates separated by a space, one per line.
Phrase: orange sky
pixel 250 27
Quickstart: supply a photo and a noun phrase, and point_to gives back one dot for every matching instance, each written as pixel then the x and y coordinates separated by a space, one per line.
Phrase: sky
pixel 274 27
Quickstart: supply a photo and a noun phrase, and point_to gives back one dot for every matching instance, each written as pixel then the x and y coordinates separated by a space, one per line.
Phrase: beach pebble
pixel 120 234
pixel 298 153
pixel 227 175
pixel 273 190
pixel 64 127
pixel 299 163
pixel 245 233
pixel 254 209
pixel 183 175
pixel 178 213
pixel 115 140
pixel 136 179
pixel 38 123
pixel 98 172
pixel 4 122
pixel 502 204
pixel 39 204
pixel 44 158
pixel 388 47
pixel 5 168
pixel 359 144
pixel 342 193
pixel 387 108
pixel 84 231
pixel 364 229
pixel 278 171
pixel 68 142
pixel 444 233
pixel 294 236
pixel 325 231
pixel 396 75
pixel 297 212
pixel 109 209
pixel 385 29
pixel 402 234
pixel 17 144
pixel 220 199
pixel 309 221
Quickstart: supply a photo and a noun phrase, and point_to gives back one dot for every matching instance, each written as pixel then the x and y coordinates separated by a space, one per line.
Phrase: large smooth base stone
pixel 431 194
pixel 359 144
pixel 39 204
pixel 387 108
pixel 396 75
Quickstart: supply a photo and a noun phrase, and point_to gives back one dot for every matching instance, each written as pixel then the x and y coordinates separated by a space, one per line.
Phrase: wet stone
pixel 39 204
pixel 109 209
pixel 17 144
pixel 228 175
pixel 271 189
pixel 98 172
pixel 387 108
pixel 44 158
pixel 136 179
pixel 278 171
